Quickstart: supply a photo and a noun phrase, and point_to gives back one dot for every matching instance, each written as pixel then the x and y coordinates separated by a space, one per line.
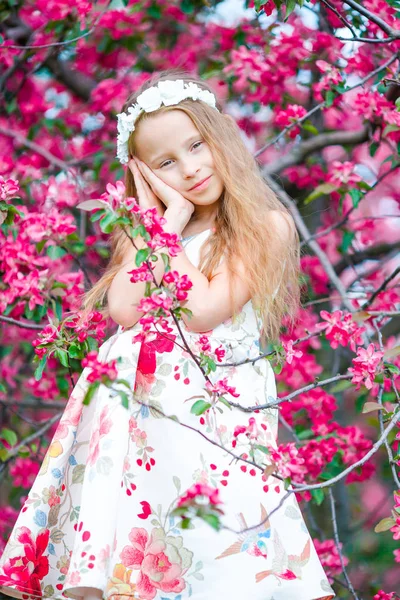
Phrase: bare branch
pixel 23 324
pixel 337 544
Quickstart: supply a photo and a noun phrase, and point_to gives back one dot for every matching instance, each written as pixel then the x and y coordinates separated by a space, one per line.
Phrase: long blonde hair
pixel 242 227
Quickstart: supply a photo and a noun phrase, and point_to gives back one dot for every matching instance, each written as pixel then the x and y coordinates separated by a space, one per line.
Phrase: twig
pixel 23 324
pixel 337 544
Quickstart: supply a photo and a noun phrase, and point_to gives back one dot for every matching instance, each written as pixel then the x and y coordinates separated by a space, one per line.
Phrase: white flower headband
pixel 165 92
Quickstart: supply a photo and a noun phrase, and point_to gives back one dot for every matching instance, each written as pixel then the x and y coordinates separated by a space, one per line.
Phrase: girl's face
pixel 171 145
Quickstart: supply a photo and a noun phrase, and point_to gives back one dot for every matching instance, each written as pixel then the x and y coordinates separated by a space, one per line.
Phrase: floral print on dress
pixel 99 513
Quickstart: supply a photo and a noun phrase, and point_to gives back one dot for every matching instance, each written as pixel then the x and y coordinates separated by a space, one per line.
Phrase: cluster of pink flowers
pixel 342 174
pixel 142 273
pixel 28 271
pixel 205 347
pixel 222 387
pixel 181 284
pixel 8 188
pixel 381 595
pixel 331 77
pixel 329 556
pixel 23 472
pixel 251 430
pixel 47 337
pixel 366 366
pixel 93 325
pixel 340 329
pixel 159 299
pixel 38 226
pixel 291 114
pixel 200 493
pixel 288 461
pixel 396 527
pixel 99 371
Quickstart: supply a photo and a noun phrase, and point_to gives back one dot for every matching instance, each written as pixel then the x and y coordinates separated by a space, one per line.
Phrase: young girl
pixel 98 520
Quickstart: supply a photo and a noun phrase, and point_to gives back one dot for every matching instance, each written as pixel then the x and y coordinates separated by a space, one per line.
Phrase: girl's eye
pixel 194 147
pixel 165 164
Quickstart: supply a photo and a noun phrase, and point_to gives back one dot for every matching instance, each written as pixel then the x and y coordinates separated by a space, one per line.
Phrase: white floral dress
pixel 99 512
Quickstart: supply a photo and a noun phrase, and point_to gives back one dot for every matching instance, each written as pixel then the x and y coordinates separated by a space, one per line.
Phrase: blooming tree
pixel 314 87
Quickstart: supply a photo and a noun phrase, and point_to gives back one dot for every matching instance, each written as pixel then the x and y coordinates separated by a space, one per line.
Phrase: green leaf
pixel 92 389
pixel 321 190
pixel 392 368
pixel 348 237
pixel 318 495
pixel 58 308
pixel 372 407
pixel 305 434
pixel 142 255
pixel 373 148
pixel 390 128
pixel 9 435
pixel 308 126
pixel 75 351
pixel 262 448
pixel 24 451
pixel 200 407
pixel 356 196
pixel 124 398
pixel 55 252
pixel 165 258
pixel 384 525
pixel 62 356
pixel 40 368
pixel 107 222
pixel 330 97
pixel 185 523
pixel 290 6
pixel 225 401
pixel 212 520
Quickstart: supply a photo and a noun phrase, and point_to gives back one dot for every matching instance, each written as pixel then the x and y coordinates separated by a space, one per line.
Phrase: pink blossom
pixel 365 366
pixel 290 352
pixel 396 529
pixel 200 492
pixel 329 557
pixel 23 471
pixel 381 595
pixel 99 371
pixel 288 461
pixel 340 329
pixel 288 116
pixel 8 188
pixel 221 387
pixel 251 430
pixel 341 174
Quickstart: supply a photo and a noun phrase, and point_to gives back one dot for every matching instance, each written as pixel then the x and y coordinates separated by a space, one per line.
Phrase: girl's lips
pixel 201 186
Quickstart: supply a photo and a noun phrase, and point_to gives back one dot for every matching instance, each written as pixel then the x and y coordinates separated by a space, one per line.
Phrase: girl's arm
pixel 208 300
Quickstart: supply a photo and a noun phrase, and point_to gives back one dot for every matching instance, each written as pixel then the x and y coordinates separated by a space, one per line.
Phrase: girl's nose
pixel 189 170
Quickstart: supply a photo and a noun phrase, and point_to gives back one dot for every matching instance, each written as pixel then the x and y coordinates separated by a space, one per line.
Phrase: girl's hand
pixel 170 197
pixel 146 197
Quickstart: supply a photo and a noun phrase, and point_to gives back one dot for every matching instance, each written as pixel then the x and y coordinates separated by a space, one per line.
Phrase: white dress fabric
pixel 99 512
